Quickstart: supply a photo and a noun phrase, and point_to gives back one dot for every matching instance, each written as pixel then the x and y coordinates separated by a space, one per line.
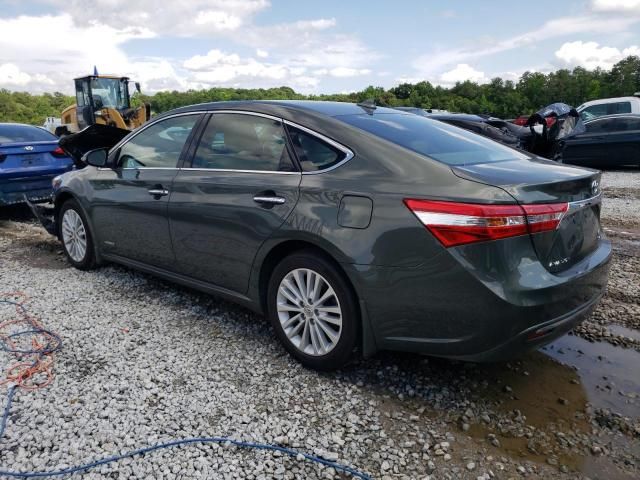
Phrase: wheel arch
pixel 274 255
pixel 60 199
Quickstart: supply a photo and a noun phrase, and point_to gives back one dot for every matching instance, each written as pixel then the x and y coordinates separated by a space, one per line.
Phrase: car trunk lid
pixel 93 137
pixel 536 181
pixel 23 159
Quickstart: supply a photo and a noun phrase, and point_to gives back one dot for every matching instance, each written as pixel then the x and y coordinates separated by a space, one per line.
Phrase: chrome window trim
pixel 189 169
pixel 347 151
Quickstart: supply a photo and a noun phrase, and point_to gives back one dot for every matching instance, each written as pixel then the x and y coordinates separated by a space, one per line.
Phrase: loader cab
pixel 93 93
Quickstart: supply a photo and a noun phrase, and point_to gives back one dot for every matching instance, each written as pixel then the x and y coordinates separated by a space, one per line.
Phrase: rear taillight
pixel 58 152
pixel 455 223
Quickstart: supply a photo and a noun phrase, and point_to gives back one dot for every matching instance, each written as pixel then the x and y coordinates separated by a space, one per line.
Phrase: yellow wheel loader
pixel 102 100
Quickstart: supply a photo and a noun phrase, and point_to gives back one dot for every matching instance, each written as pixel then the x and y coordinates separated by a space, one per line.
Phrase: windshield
pixel 437 140
pixel 110 92
pixel 24 133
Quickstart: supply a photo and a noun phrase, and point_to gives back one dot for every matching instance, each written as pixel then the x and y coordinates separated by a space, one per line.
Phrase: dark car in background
pixel 609 141
pixel 350 227
pixel 29 159
pixel 494 128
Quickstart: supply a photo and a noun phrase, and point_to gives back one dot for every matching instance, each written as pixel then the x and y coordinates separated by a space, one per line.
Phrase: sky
pixel 327 46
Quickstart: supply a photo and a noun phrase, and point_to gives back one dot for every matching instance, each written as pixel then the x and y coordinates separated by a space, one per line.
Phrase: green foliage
pixel 502 98
pixel 23 107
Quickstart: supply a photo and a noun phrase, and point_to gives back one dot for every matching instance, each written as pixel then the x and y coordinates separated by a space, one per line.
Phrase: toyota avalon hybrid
pixel 352 228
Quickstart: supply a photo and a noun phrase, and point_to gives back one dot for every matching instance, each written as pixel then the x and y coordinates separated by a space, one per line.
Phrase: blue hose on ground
pixel 141 451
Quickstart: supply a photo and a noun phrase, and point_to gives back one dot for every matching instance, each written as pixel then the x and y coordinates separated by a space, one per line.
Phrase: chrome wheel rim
pixel 74 235
pixel 309 312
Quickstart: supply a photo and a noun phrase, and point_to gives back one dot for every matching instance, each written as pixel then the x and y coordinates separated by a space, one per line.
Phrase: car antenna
pixel 369 105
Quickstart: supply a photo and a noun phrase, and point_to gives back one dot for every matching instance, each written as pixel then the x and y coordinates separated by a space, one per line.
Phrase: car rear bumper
pixel 444 308
pixel 12 191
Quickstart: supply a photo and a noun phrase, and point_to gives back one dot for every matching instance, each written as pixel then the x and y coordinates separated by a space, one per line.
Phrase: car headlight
pixel 56 182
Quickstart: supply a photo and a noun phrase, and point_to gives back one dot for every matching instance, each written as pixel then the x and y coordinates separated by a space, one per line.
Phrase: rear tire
pixel 73 231
pixel 313 310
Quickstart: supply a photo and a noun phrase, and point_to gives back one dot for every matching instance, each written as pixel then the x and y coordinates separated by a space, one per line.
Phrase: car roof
pixel 609 100
pixel 330 109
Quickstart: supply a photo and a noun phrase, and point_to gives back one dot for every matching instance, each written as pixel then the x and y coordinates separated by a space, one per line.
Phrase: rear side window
pixel 432 138
pixel 243 142
pixel 313 153
pixel 24 133
pixel 619 107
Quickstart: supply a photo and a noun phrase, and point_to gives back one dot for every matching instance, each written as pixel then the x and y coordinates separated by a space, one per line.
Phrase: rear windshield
pixel 24 133
pixel 437 140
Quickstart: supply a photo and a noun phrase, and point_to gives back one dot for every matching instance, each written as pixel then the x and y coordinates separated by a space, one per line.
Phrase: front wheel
pixel 76 237
pixel 313 310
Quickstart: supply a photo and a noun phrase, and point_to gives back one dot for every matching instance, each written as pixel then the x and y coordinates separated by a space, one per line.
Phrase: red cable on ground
pixel 32 363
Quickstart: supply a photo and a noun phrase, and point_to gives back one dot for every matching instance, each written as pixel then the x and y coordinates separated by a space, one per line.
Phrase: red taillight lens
pixel 455 223
pixel 58 152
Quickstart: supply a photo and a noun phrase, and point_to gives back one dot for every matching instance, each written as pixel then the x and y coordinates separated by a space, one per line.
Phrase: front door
pixel 130 201
pixel 241 186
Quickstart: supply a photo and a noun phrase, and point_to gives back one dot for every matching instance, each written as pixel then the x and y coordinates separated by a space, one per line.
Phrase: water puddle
pixel 608 374
pixel 620 331
pixel 550 391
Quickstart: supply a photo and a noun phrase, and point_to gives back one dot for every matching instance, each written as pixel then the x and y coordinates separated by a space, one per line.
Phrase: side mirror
pixel 96 158
pixel 138 87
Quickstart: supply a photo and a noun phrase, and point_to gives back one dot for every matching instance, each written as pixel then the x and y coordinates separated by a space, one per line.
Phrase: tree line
pixel 501 98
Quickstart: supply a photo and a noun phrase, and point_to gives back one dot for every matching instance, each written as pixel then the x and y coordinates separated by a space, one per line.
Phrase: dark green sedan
pixel 352 228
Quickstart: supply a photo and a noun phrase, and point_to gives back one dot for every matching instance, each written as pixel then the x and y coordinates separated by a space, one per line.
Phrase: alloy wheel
pixel 309 312
pixel 74 235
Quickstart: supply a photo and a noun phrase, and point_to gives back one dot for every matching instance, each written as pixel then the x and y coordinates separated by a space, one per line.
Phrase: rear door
pixel 129 205
pixel 241 186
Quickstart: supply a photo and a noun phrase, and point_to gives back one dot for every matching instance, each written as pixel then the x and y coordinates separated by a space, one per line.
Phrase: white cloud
pixel 616 6
pixel 261 53
pixel 429 65
pixel 10 74
pixel 348 72
pixel 230 69
pixel 185 18
pixel 461 73
pixel 591 55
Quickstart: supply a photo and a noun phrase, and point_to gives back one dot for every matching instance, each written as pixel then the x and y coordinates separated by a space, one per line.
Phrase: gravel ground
pixel 145 361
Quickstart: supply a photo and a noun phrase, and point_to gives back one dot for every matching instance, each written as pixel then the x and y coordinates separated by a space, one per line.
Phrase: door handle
pixel 271 199
pixel 158 192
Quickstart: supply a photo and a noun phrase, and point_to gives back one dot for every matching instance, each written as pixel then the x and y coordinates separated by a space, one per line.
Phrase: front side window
pixel 234 141
pixel 599 126
pixel 594 111
pixel 158 146
pixel 313 153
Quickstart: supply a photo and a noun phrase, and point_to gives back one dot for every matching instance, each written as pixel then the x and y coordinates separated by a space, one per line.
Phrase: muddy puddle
pixel 549 398
pixel 609 375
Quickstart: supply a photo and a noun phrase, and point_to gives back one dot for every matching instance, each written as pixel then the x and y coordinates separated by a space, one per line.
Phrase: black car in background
pixel 609 141
pixel 350 227
pixel 496 129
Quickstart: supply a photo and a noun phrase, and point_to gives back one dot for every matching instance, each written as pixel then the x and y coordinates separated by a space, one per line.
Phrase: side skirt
pixel 199 285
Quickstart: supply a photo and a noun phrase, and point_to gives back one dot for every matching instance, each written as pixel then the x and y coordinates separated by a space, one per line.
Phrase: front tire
pixel 76 238
pixel 313 310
